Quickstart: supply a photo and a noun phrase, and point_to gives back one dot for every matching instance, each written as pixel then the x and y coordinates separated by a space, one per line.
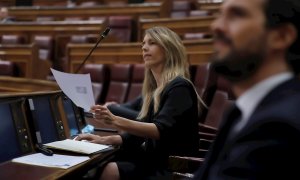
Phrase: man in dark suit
pixel 256 41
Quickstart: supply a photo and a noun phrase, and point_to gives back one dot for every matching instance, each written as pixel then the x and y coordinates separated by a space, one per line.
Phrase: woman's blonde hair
pixel 176 64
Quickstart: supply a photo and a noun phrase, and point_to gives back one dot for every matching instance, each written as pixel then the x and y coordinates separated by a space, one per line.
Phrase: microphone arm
pixel 103 35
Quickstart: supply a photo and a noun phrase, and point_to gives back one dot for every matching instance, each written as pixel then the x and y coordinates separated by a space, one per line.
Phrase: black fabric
pixel 266 148
pixel 133 166
pixel 176 121
pixel 129 110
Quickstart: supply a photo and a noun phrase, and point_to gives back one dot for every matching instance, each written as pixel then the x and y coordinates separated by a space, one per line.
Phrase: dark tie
pixel 227 131
pixel 233 119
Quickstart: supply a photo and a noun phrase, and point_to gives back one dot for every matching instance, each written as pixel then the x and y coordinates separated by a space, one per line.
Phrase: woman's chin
pixel 148 64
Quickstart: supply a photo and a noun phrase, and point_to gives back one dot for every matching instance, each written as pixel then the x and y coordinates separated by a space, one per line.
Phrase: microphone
pixel 103 35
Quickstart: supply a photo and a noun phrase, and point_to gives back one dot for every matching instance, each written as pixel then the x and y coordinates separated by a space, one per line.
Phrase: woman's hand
pixel 111 103
pixel 142 129
pixel 109 140
pixel 103 114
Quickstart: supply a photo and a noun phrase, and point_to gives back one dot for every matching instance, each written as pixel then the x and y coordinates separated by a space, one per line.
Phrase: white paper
pixel 78 146
pixel 78 87
pixel 57 161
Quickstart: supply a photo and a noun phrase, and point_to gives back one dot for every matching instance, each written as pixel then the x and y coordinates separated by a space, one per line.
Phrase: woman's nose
pixel 144 47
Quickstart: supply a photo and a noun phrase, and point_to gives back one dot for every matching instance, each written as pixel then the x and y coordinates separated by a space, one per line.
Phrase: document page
pixel 57 161
pixel 78 87
pixel 78 146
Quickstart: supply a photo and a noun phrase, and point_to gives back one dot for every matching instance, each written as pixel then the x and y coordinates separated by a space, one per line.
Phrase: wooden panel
pixel 52 28
pixel 180 26
pixel 26 58
pixel 198 52
pixel 23 85
pixel 60 13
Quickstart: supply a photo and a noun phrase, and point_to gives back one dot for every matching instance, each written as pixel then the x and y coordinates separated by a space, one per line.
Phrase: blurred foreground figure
pixel 256 41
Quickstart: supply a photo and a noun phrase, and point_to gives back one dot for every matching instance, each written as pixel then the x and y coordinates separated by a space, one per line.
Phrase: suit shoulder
pixel 284 110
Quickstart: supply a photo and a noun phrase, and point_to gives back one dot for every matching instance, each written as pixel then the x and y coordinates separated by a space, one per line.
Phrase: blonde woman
pixel 167 122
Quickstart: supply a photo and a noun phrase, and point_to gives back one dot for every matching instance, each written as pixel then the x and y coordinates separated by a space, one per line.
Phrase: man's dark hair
pixel 280 12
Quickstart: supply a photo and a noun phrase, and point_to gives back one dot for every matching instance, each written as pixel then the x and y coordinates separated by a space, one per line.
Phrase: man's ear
pixel 282 37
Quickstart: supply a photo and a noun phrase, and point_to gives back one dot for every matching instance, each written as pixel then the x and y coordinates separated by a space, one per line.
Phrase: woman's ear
pixel 283 36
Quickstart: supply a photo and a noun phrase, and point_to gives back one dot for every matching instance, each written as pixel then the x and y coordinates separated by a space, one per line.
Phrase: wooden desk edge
pixel 53 173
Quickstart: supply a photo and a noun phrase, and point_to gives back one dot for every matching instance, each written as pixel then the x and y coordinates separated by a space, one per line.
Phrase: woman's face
pixel 153 54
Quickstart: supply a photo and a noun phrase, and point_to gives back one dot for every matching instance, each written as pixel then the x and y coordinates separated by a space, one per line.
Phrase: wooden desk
pixel 53 28
pixel 61 12
pixel 10 170
pixel 179 25
pixel 198 52
pixel 26 58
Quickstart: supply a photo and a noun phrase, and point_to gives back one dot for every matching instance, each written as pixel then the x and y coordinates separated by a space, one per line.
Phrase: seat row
pixel 166 8
pixel 53 40
pixel 118 83
pixel 29 56
pixel 123 82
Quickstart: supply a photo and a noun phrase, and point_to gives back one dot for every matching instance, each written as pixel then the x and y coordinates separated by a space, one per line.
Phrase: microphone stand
pixel 104 34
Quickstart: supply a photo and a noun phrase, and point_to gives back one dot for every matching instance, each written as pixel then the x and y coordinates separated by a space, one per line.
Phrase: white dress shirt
pixel 249 100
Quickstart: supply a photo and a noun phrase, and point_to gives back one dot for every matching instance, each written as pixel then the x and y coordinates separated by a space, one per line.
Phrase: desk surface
pixel 10 170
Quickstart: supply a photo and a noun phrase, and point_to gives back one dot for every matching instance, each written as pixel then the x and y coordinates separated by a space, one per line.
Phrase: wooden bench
pixel 180 25
pixel 62 12
pixel 26 58
pixel 198 52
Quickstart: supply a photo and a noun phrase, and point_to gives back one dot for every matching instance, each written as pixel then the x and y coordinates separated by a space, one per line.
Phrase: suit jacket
pixel 268 147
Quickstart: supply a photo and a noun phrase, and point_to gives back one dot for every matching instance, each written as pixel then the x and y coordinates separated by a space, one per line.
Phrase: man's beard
pixel 238 65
